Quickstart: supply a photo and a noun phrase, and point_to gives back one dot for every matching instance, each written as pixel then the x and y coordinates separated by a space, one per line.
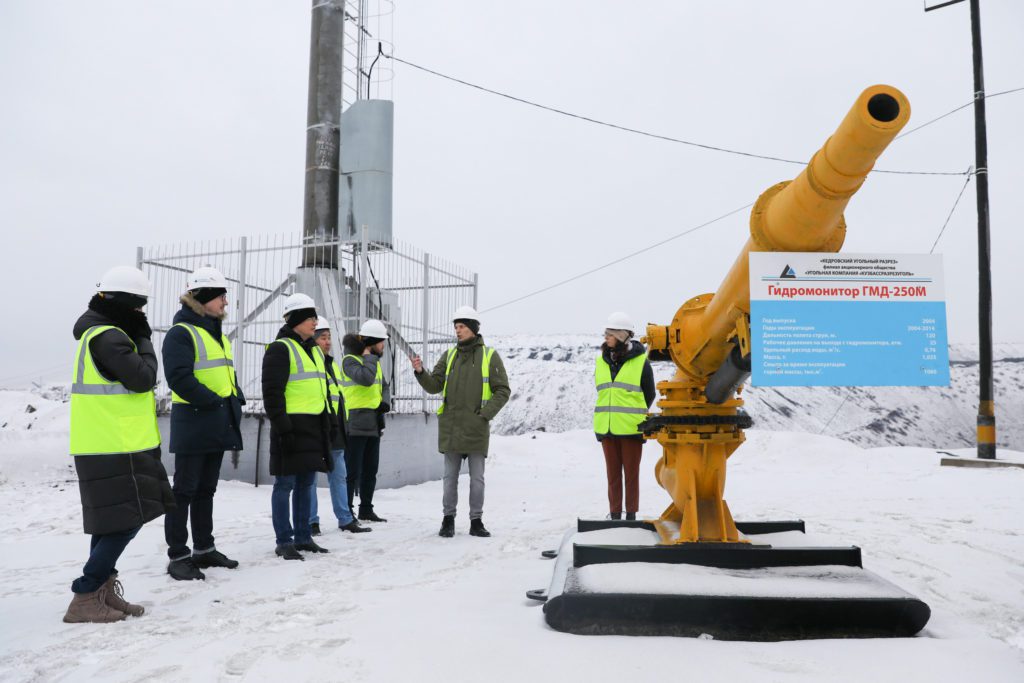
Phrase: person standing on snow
pixel 625 392
pixel 114 439
pixel 473 385
pixel 336 478
pixel 206 413
pixel 301 424
pixel 367 398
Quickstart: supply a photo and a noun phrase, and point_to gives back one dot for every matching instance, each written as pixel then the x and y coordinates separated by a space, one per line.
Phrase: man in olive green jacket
pixel 469 404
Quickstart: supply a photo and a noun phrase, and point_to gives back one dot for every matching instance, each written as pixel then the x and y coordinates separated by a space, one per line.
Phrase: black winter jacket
pixel 365 421
pixel 616 361
pixel 207 423
pixel 298 443
pixel 121 491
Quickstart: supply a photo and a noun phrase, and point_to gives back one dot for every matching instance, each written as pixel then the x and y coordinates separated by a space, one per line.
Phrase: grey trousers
pixel 452 465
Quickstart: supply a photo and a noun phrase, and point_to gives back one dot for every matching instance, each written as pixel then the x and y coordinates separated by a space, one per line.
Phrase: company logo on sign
pixel 788 272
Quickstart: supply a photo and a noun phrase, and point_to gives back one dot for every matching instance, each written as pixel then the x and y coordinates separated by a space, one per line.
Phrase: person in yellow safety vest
pixel 206 414
pixel 367 399
pixel 473 385
pixel 302 424
pixel 337 478
pixel 625 392
pixel 114 439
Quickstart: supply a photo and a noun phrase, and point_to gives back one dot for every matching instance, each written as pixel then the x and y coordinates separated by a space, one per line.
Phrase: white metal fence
pixel 414 293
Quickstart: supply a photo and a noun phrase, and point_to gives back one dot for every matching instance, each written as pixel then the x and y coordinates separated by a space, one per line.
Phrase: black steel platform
pixel 572 609
pixel 724 555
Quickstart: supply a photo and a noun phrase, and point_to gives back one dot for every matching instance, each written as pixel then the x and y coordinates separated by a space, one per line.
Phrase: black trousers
pixel 362 459
pixel 195 483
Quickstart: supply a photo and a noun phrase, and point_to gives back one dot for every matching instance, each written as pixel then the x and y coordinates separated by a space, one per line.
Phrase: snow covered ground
pixel 402 604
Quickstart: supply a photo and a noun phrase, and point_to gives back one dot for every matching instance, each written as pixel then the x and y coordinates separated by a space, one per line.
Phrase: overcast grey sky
pixel 137 123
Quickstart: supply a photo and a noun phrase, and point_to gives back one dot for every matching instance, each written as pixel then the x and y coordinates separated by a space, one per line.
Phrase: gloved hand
pixel 384 407
pixel 137 325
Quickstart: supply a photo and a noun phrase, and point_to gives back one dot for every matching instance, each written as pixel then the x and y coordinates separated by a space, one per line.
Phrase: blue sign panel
pixel 847 320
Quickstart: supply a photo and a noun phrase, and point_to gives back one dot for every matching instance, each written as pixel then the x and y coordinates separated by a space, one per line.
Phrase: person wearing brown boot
pixel 92 608
pixel 114 438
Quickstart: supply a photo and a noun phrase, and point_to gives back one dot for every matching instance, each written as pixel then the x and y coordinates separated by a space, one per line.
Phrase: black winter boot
pixel 355 527
pixel 614 515
pixel 311 547
pixel 447 527
pixel 476 528
pixel 185 569
pixel 631 516
pixel 214 558
pixel 370 516
pixel 314 529
pixel 288 552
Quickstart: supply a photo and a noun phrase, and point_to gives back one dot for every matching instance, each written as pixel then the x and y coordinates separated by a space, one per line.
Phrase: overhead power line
pixel 620 259
pixel 667 138
pixel 953 111
pixel 970 173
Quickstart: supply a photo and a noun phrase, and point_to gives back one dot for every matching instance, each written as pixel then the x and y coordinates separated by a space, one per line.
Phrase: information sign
pixel 823 319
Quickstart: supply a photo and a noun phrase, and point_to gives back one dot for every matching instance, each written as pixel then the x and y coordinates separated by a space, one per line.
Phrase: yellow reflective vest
pixel 485 371
pixel 356 395
pixel 306 391
pixel 621 406
pixel 106 417
pixel 214 365
pixel 334 388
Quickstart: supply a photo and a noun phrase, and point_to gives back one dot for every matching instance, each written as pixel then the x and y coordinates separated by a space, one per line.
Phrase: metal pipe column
pixel 323 143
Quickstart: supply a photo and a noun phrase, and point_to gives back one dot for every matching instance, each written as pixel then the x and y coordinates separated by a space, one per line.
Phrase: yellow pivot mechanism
pixel 700 424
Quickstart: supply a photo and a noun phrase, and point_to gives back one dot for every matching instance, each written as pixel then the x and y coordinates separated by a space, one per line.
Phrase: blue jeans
pixel 336 480
pixel 284 487
pixel 104 549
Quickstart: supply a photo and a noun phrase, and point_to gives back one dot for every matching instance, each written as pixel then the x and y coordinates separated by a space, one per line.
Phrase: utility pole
pixel 323 117
pixel 986 433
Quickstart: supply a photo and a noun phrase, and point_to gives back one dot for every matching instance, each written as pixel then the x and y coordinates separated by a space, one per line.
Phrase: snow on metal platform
pixel 678 595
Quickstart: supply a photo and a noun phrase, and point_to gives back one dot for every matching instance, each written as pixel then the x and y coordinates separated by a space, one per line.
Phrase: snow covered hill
pixel 553 391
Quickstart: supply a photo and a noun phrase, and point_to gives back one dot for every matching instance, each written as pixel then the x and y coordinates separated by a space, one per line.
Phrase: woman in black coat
pixel 300 444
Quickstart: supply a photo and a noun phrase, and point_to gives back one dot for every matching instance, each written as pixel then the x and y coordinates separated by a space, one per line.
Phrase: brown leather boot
pixel 115 598
pixel 92 608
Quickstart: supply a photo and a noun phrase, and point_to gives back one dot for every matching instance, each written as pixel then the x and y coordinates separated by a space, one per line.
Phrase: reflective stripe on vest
pixel 485 372
pixel 214 366
pixel 106 417
pixel 306 391
pixel 621 406
pixel 334 388
pixel 358 396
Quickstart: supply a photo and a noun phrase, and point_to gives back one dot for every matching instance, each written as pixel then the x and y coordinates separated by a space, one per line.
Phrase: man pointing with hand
pixel 473 385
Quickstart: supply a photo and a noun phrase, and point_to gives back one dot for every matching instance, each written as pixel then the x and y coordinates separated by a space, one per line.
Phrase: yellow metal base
pixel 692 468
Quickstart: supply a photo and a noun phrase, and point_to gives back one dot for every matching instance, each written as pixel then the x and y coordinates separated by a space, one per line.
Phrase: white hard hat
pixel 206 276
pixel 619 321
pixel 124 279
pixel 296 302
pixel 374 329
pixel 465 313
pixel 322 324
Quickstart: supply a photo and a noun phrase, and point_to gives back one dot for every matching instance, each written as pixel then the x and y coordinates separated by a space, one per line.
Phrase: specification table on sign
pixel 847 320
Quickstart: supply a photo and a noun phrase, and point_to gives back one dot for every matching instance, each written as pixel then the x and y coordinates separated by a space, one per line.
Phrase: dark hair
pixel 353 344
